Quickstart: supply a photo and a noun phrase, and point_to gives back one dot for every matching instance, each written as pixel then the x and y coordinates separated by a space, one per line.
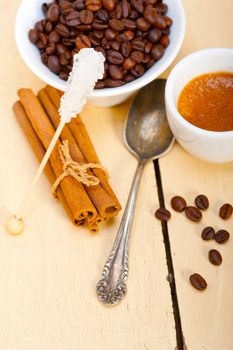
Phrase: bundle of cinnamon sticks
pixel 38 117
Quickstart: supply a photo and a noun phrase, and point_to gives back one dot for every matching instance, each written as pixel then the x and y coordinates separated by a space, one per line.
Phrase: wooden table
pixel 48 275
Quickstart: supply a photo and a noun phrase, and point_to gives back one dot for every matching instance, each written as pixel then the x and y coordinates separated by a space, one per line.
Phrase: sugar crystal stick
pixel 88 67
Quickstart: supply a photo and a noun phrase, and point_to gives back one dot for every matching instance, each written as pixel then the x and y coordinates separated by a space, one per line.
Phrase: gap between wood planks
pixel 171 274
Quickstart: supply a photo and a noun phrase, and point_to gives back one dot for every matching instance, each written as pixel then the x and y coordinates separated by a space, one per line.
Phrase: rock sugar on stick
pixel 88 67
pixel 83 140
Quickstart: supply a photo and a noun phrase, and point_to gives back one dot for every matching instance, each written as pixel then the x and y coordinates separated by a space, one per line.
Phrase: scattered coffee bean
pixel 178 203
pixel 136 30
pixel 215 257
pixel 202 202
pixel 208 233
pixel 198 281
pixel 225 211
pixel 193 213
pixel 222 236
pixel 162 214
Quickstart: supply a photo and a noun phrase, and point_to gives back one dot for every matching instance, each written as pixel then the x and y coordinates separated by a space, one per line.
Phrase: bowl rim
pixel 170 88
pixel 109 92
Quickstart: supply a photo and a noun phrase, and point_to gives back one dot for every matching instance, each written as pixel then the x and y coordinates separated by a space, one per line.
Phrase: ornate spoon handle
pixel 112 286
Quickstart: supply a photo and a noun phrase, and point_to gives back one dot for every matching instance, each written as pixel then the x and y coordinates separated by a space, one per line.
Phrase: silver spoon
pixel 148 136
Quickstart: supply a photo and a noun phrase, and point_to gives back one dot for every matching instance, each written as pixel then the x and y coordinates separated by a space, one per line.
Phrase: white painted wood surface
pixel 48 275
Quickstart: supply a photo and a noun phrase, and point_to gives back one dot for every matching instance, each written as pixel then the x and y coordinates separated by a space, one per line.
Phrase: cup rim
pixel 109 92
pixel 170 86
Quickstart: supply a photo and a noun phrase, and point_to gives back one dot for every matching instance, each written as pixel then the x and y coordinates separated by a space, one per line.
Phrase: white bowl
pixel 211 146
pixel 30 12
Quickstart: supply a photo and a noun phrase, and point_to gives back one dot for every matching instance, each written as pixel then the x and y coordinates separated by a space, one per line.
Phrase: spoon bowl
pixel 147 135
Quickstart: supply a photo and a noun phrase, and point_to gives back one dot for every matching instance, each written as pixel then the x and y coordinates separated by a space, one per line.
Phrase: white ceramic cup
pixel 214 147
pixel 30 12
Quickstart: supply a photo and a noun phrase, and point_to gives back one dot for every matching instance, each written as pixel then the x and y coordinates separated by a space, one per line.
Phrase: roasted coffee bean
pixel 164 41
pixel 178 203
pixel 53 13
pixel 202 202
pixel 138 5
pixel 154 35
pixel 157 51
pixel 208 233
pixel 61 49
pixel 138 45
pixel 137 56
pixel 110 34
pixel 48 27
pixel 50 49
pixel 72 19
pixel 94 41
pixel 142 24
pixel 43 39
pixel 99 34
pixel 126 49
pixel 215 257
pixel 33 36
pixel 101 49
pixel 115 57
pixel 162 214
pixel 129 63
pixel 65 7
pixel 63 60
pixel 79 5
pixel 39 26
pixel 168 21
pixel 150 64
pixel 116 72
pixel 160 22
pixel 44 58
pixel 102 15
pixel 109 4
pixel 222 236
pixel 225 211
pixel 166 31
pixel 63 75
pixel 62 30
pixel 82 41
pixel 44 8
pixel 54 64
pixel 116 24
pixel 146 59
pixel 138 70
pixel 161 8
pixel 99 25
pixel 100 84
pixel 150 15
pixel 115 45
pixel 197 281
pixel 118 11
pixel 125 8
pixel 128 35
pixel 93 5
pixel 128 78
pixel 148 47
pixel 133 14
pixel 193 213
pixel 105 44
pixel 128 23
pixel 150 2
pixel 86 16
pixel 113 83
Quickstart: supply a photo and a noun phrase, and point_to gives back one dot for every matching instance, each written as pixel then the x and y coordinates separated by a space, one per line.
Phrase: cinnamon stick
pixel 102 201
pixel 83 140
pixel 77 199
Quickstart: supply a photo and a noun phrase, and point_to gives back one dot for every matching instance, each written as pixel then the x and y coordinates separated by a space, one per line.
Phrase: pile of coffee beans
pixel 132 35
pixel 194 213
